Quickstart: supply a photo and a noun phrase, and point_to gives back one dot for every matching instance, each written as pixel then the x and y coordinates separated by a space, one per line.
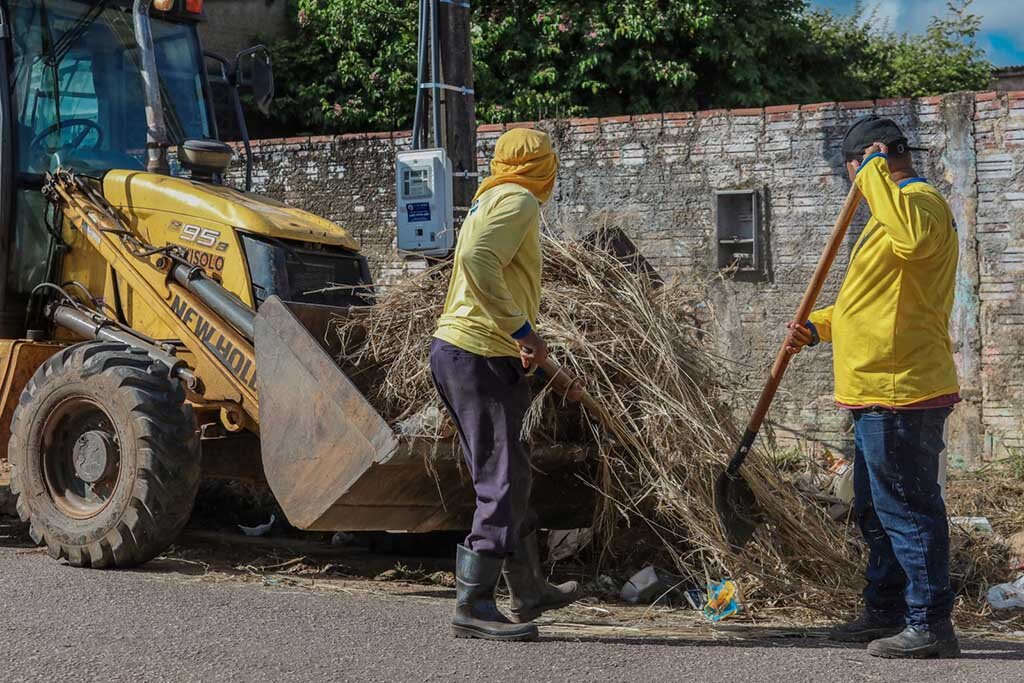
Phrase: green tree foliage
pixel 631 56
pixel 868 60
pixel 351 64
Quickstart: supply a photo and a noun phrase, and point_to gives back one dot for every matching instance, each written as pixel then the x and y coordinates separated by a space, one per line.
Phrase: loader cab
pixel 78 90
pixel 72 95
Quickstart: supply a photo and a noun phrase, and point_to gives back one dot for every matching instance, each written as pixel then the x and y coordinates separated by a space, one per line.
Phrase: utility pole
pixel 443 134
pixel 459 106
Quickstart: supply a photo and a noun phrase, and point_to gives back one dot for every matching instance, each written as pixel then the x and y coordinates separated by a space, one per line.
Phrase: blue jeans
pixel 900 511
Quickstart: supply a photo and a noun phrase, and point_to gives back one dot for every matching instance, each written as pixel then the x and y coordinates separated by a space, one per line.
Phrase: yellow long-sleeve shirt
pixel 889 326
pixel 494 293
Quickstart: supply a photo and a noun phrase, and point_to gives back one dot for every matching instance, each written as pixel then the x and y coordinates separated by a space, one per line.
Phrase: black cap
pixel 870 129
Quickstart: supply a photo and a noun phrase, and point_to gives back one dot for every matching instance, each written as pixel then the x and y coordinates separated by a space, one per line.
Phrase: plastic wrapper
pixel 723 600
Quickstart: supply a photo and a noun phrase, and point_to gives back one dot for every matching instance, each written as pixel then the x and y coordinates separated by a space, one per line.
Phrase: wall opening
pixel 739 230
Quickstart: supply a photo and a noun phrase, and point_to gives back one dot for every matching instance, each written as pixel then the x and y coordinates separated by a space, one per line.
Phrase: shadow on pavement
pixel 761 637
pixel 14 533
pixel 1006 650
pixel 440 593
pixel 730 636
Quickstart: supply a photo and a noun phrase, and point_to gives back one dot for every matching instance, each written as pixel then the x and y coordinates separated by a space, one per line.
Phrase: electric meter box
pixel 425 212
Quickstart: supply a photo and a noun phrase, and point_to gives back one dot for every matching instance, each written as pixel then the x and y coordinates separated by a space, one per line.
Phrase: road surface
pixel 179 621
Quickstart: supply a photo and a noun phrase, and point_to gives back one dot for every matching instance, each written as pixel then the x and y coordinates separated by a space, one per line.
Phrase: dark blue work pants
pixel 488 399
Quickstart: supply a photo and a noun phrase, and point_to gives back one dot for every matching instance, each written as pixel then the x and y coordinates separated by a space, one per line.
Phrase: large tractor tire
pixel 105 456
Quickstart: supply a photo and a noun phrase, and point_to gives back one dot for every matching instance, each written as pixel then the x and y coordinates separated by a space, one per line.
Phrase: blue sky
pixel 1002 25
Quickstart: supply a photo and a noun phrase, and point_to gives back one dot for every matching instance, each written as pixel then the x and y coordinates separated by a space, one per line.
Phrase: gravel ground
pixel 175 621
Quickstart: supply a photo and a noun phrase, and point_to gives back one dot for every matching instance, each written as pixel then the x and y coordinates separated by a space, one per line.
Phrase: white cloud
pixel 889 12
pixel 1002 21
pixel 1001 16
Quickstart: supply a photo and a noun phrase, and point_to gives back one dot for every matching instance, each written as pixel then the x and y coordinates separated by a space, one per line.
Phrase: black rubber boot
pixel 476 615
pixel 867 627
pixel 530 591
pixel 918 643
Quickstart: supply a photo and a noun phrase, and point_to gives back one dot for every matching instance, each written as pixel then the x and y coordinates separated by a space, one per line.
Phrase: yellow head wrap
pixel 524 157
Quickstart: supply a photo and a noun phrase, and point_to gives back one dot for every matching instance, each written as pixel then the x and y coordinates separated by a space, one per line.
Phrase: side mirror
pixel 253 69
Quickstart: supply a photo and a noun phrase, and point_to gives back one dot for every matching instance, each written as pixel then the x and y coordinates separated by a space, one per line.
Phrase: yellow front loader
pixel 156 326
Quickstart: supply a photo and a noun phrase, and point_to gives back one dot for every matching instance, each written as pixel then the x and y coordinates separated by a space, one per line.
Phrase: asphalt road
pixel 163 624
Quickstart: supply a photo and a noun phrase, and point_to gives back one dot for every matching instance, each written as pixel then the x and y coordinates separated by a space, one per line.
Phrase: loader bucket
pixel 318 434
pixel 335 464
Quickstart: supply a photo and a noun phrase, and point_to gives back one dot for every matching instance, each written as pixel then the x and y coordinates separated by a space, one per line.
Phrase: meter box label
pixel 423 185
pixel 418 212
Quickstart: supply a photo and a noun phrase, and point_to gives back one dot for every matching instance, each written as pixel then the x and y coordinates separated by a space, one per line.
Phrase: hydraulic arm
pixel 181 294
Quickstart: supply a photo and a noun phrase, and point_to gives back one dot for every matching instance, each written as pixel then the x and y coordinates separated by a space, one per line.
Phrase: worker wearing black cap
pixel 894 371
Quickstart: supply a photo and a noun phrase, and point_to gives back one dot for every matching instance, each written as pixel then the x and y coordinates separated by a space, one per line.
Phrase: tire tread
pixel 166 454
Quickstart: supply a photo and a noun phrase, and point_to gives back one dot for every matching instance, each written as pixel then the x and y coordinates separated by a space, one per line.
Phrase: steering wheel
pixel 87 127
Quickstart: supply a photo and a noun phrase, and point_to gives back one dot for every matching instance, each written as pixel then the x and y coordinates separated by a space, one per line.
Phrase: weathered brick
pixel 819 106
pixel 857 104
pixel 656 177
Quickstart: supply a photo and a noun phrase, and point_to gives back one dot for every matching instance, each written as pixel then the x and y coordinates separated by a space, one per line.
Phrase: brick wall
pixel 999 145
pixel 656 176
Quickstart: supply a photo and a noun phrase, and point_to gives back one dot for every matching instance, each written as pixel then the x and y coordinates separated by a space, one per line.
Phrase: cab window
pixel 79 101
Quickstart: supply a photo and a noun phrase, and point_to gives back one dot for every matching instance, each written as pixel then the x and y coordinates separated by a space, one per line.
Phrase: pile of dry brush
pixel 666 434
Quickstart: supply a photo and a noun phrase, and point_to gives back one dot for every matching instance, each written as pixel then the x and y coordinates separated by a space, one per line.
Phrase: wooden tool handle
pixel 835 243
pixel 563 380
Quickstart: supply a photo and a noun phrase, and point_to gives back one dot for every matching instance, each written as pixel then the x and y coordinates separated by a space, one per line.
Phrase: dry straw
pixel 665 431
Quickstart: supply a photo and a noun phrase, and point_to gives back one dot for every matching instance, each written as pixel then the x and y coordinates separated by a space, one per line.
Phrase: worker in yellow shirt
pixel 482 358
pixel 893 362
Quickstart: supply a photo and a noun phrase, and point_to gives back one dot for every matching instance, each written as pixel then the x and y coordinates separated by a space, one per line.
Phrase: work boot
pixel 530 591
pixel 870 625
pixel 916 642
pixel 476 615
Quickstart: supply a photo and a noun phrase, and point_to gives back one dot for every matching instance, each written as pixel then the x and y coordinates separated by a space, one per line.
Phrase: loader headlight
pixel 308 273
